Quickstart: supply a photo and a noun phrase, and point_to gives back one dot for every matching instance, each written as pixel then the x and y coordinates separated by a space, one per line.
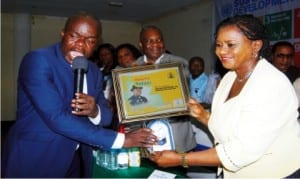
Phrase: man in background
pixel 197 79
pixel 152 44
pixel 282 58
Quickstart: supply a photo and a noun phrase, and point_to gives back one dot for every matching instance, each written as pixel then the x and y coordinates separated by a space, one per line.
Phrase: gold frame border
pixel 116 83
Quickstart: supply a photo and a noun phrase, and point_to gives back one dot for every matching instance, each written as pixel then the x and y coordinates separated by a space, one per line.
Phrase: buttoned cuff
pixel 119 141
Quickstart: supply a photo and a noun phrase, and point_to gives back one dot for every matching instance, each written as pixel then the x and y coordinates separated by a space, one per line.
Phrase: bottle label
pixel 123 160
pixel 134 159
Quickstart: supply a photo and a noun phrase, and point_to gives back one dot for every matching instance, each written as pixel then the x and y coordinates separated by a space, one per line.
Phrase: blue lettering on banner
pixel 249 6
pixel 226 10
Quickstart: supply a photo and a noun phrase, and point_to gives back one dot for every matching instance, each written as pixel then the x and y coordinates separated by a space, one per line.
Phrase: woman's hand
pixel 198 111
pixel 166 158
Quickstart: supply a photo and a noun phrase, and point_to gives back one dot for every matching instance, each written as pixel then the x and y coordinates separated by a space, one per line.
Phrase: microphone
pixel 79 66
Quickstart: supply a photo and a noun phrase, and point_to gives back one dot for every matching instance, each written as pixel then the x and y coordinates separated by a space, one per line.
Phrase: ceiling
pixel 121 10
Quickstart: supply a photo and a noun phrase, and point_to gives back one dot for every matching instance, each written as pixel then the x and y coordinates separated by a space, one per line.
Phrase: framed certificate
pixel 150 92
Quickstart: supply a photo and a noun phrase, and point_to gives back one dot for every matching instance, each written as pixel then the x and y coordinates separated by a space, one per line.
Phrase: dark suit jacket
pixel 45 136
pixel 293 73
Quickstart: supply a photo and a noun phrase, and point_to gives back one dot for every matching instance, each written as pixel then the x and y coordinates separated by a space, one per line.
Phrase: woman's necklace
pixel 240 80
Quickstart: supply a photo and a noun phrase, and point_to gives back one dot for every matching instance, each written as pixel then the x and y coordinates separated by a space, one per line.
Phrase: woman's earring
pixel 254 54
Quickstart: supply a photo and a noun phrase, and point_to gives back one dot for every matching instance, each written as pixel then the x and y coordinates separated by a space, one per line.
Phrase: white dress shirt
pixel 120 139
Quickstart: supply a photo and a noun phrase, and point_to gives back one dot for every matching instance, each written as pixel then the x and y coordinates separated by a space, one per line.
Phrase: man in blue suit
pixel 49 139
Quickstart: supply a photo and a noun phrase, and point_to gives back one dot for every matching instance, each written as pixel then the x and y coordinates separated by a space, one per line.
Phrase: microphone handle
pixel 78 82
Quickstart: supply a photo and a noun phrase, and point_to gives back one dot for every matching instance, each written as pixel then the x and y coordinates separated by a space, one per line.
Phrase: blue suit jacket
pixel 44 138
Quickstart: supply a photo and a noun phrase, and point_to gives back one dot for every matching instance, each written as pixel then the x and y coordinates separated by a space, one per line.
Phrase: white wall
pixel 187 33
pixel 46 29
pixel 8 72
pixel 117 32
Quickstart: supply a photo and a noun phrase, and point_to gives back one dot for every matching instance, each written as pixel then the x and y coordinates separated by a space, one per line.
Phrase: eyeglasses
pixel 282 55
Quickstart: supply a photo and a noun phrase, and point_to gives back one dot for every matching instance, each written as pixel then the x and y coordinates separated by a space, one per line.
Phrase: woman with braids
pixel 127 54
pixel 253 119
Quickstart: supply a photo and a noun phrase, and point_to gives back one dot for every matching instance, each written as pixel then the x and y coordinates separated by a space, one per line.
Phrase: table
pixel 144 171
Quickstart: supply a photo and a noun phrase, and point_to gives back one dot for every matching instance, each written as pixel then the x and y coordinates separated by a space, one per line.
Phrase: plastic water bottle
pixel 112 163
pixel 123 158
pixel 134 157
pixel 102 158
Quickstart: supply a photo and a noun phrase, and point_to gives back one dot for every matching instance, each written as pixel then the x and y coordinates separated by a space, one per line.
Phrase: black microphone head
pixel 80 62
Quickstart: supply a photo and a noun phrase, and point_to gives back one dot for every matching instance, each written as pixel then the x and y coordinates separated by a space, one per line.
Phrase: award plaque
pixel 150 92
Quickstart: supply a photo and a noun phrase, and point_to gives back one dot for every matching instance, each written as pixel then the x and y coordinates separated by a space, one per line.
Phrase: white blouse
pixel 257 132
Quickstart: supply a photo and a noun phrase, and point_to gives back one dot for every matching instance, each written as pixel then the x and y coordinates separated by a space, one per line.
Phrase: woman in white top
pixel 297 88
pixel 253 119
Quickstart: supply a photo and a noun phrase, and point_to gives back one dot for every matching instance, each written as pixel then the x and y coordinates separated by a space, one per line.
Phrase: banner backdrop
pixel 281 18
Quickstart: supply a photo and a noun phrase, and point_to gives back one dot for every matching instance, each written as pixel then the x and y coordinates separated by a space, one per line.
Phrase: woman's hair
pixel 135 51
pixel 250 26
pixel 110 48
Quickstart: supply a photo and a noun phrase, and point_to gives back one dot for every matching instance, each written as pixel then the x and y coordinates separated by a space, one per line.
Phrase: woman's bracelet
pixel 183 160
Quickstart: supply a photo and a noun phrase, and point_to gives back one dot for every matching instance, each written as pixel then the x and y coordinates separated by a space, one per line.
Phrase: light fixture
pixel 116 4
